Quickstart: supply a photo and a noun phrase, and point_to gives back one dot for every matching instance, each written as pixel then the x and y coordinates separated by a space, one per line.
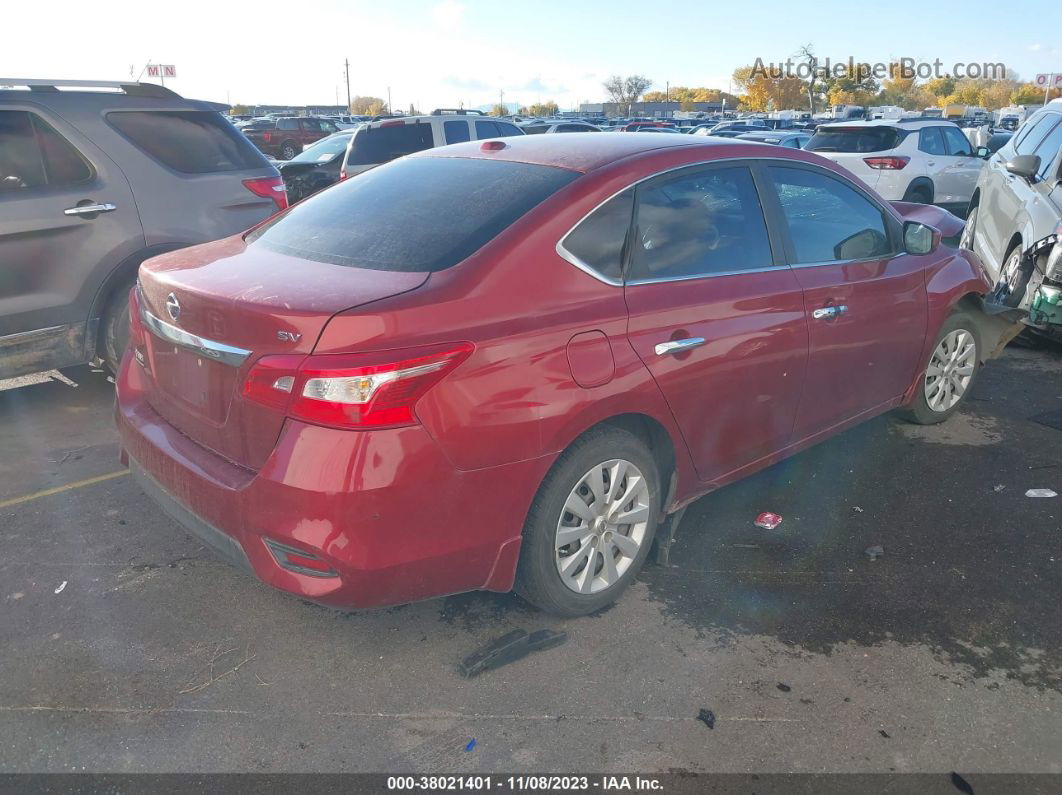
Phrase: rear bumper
pixel 385 509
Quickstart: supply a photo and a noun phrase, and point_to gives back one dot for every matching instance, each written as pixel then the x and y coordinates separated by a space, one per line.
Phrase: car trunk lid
pixel 211 311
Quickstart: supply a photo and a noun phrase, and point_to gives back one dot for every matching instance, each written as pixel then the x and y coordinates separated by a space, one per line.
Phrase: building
pixel 661 110
pixel 300 110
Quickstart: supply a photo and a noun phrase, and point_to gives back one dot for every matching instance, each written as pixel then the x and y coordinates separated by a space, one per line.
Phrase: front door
pixel 66 218
pixel 865 298
pixel 715 315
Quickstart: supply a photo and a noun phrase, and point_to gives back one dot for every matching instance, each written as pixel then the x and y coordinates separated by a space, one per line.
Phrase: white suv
pixel 928 161
pixel 381 141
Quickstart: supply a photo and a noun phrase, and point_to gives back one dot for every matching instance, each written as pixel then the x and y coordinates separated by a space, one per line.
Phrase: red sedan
pixel 503 364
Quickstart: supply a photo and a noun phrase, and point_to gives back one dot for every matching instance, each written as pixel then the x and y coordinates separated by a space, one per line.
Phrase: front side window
pixel 827 219
pixel 958 144
pixel 931 141
pixel 189 141
pixel 1032 133
pixel 597 242
pixel 699 223
pixel 455 131
pixel 314 125
pixel 1049 146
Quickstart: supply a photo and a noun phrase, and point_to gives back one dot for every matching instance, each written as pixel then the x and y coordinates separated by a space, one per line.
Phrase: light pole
pixel 346 67
pixel 389 109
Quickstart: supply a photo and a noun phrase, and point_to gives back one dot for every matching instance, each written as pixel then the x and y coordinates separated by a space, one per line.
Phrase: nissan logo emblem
pixel 173 307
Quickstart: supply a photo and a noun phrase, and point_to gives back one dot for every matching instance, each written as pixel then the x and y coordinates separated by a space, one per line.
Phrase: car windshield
pixel 855 139
pixel 415 214
pixel 325 149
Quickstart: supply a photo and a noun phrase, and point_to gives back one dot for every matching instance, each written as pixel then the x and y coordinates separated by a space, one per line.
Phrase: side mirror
pixel 919 238
pixel 983 152
pixel 1024 166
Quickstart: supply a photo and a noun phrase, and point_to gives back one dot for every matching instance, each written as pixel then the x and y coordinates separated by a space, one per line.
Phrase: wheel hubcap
pixel 950 370
pixel 602 526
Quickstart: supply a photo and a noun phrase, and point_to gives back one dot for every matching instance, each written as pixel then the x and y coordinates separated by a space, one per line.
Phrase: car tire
pixel 1014 277
pixel 288 150
pixel 945 371
pixel 966 239
pixel 114 327
pixel 918 194
pixel 577 578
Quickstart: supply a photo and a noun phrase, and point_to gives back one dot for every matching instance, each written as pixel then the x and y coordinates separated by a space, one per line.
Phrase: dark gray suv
pixel 95 178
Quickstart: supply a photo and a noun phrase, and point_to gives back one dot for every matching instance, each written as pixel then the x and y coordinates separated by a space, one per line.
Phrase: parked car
pixel 288 135
pixel 94 179
pixel 794 140
pixel 507 362
pixel 671 130
pixel 927 161
pixel 382 141
pixel 1017 204
pixel 316 167
pixel 727 129
pixel 635 126
pixel 347 122
pixel 559 127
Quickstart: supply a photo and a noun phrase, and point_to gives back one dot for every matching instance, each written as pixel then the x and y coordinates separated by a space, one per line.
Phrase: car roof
pixel 573 152
pixel 907 124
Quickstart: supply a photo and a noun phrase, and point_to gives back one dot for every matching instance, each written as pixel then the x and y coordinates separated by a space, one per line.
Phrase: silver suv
pixel 96 177
pixel 1016 216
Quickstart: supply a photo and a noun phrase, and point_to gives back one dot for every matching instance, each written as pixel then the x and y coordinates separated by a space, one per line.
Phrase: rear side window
pixel 504 128
pixel 597 242
pixel 374 145
pixel 855 139
pixel 699 223
pixel 419 214
pixel 288 124
pixel 535 129
pixel 828 220
pixel 189 141
pixel 456 131
pixel 33 154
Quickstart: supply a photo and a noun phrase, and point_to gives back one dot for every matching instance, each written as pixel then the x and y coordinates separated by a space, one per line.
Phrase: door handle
pixel 678 346
pixel 90 209
pixel 829 312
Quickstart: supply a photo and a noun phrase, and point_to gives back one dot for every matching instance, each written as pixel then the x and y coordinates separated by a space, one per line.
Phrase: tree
pixel 1027 94
pixel 807 55
pixel 547 108
pixel 368 106
pixel 240 110
pixel 625 90
pixel 523 111
pixel 499 110
pixel 941 86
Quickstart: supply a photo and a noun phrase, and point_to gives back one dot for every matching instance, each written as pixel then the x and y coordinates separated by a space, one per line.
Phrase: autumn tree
pixel 806 55
pixel 626 90
pixel 548 108
pixel 368 106
pixel 1027 94
pixel 499 110
pixel 240 110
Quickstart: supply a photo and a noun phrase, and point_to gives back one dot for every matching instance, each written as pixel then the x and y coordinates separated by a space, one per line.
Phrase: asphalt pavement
pixel 126 646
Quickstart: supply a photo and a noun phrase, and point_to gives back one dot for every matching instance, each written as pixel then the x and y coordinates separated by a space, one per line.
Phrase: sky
pixel 437 53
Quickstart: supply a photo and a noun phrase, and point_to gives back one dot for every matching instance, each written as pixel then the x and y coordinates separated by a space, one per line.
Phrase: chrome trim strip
pixel 636 282
pixel 218 351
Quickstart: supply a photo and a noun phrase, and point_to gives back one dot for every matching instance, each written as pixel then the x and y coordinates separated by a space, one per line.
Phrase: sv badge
pixel 288 336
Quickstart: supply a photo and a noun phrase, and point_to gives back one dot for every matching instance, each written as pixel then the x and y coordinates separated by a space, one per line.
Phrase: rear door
pixel 67 217
pixel 865 298
pixel 715 315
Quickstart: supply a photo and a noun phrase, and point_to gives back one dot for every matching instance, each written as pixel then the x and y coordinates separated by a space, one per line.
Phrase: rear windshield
pixel 189 141
pixel 325 149
pixel 417 214
pixel 374 145
pixel 855 139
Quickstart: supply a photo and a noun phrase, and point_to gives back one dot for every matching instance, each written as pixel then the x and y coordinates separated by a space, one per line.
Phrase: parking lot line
pixel 59 489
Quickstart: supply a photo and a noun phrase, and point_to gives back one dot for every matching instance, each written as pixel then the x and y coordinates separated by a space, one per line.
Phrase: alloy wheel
pixel 950 370
pixel 602 527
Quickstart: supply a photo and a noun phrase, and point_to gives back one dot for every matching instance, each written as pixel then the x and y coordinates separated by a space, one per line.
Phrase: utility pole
pixel 389 100
pixel 346 67
pixel 501 97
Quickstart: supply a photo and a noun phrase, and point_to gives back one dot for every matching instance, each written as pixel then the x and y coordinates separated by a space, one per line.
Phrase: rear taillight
pixel 267 137
pixel 350 390
pixel 269 188
pixel 886 163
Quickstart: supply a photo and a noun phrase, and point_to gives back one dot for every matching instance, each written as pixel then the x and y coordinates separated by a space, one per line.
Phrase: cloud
pixel 448 15
pixel 1035 47
pixel 466 84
